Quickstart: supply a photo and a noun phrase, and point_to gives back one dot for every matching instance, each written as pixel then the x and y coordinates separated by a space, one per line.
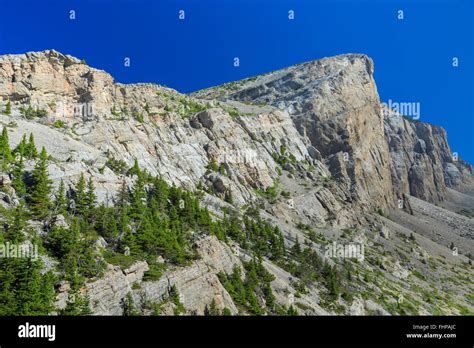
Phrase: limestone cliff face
pixel 325 113
pixel 423 164
pixel 334 104
pixel 315 133
pixel 167 132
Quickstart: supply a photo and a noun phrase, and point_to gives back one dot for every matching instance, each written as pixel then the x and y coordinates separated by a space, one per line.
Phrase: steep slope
pixel 309 148
pixel 334 104
pixel 423 164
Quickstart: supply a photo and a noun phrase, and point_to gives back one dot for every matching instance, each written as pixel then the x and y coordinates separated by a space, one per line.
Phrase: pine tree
pixel 296 249
pixel 138 198
pixel 81 196
pixel 23 289
pixel 21 148
pixel 128 306
pixel 77 304
pixel 212 309
pixel 18 173
pixel 107 224
pixel 123 196
pixel 60 203
pixel 292 311
pixel 39 199
pixel 160 193
pixel 175 298
pixel 135 170
pixel 16 223
pixel 31 151
pixel 90 195
pixel 35 291
pixel 8 108
pixel 5 152
pixel 91 198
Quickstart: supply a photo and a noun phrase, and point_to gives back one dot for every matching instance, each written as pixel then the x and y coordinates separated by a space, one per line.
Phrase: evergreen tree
pixel 21 148
pixel 18 173
pixel 15 225
pixel 138 198
pixel 31 151
pixel 39 200
pixel 211 310
pixel 8 108
pixel 135 170
pixel 107 223
pixel 175 298
pixel 61 201
pixel 296 249
pixel 91 199
pixel 123 196
pixel 160 193
pixel 76 304
pixel 5 152
pixel 128 306
pixel 23 289
pixel 80 198
pixel 292 311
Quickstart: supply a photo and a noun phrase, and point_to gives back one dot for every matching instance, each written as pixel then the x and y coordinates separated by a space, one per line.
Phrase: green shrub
pixel 58 124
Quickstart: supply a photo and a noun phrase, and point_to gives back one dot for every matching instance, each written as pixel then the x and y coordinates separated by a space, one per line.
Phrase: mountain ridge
pixel 310 147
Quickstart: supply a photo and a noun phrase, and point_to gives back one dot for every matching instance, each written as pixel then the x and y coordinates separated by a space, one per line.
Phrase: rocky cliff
pixel 310 145
pixel 334 105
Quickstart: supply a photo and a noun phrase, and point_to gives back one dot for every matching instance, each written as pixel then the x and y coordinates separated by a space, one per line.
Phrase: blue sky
pixel 413 56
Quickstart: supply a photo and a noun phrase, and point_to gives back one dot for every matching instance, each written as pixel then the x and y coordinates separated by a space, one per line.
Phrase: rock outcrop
pixel 422 162
pixel 310 146
pixel 335 106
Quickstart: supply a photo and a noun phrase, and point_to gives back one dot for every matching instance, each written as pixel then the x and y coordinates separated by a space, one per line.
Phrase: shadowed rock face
pixel 422 161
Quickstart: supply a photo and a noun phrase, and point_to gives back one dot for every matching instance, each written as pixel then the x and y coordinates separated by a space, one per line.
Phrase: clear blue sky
pixel 413 57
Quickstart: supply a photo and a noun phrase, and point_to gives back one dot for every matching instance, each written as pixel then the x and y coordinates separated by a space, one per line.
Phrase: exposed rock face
pixel 335 106
pixel 315 133
pixel 422 162
pixel 179 148
pixel 197 284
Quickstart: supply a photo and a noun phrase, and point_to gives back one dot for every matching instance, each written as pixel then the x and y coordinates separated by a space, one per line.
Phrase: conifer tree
pixel 138 198
pixel 123 196
pixel 61 201
pixel 39 199
pixel 5 152
pixel 107 224
pixel 135 170
pixel 8 108
pixel 21 148
pixel 23 289
pixel 81 196
pixel 128 306
pixel 160 192
pixel 212 309
pixel 35 291
pixel 31 151
pixel 76 303
pixel 16 223
pixel 91 198
pixel 18 173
